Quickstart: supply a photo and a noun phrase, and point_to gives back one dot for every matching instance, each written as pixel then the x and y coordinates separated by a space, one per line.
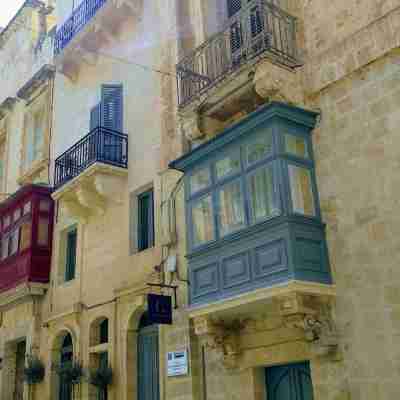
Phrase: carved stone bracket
pixel 315 318
pixel 190 126
pixel 91 192
pixel 221 336
pixel 277 84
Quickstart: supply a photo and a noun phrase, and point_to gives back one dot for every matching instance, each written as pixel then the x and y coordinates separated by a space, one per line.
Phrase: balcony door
pixel 67 354
pixel 246 25
pixel 289 382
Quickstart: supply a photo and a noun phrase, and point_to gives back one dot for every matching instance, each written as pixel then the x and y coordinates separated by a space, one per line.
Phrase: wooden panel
pixel 289 382
pixel 270 259
pixel 235 270
pixel 205 280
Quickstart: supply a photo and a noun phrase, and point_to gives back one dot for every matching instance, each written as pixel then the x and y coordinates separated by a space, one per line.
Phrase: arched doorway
pixel 66 359
pixel 148 361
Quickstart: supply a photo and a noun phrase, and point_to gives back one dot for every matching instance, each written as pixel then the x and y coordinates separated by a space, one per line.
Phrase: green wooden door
pixel 148 364
pixel 289 382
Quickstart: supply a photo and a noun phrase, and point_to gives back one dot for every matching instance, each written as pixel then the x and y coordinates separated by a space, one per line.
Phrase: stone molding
pixel 26 289
pixel 89 193
pixel 304 306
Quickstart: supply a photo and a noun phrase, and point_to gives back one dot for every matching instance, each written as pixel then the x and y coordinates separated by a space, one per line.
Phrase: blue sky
pixel 8 8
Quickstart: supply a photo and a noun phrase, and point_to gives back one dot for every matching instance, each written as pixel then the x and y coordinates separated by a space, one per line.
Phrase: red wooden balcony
pixel 26 225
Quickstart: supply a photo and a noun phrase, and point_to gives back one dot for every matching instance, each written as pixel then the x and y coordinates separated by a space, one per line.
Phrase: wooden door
pixel 289 382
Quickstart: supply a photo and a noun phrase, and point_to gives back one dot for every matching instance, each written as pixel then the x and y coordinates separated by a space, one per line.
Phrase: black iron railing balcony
pixel 258 29
pixel 100 145
pixel 78 19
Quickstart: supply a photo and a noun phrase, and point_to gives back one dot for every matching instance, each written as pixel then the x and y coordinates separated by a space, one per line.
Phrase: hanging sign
pixel 177 363
pixel 159 309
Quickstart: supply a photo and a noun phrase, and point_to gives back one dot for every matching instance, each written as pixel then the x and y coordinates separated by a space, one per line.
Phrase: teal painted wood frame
pixel 283 247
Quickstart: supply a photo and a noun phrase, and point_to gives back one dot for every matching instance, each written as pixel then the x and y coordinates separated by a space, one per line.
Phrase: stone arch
pixel 129 340
pixel 57 343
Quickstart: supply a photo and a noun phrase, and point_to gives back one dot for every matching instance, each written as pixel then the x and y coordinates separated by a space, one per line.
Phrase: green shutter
pixel 71 255
pixel 112 107
pixel 289 382
pixel 148 364
pixel 95 117
pixel 146 220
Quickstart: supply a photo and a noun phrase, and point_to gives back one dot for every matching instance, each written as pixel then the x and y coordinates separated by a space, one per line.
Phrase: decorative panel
pixel 205 280
pixel 310 254
pixel 270 259
pixel 235 270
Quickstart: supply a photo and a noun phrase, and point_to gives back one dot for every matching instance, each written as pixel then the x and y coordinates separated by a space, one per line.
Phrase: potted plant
pixel 34 370
pixel 101 377
pixel 70 372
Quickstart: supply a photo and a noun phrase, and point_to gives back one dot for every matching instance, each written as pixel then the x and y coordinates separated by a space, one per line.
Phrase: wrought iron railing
pixel 79 18
pixel 258 29
pixel 100 145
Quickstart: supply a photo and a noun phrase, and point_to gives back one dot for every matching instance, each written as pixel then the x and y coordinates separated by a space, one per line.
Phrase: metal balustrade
pixel 100 145
pixel 258 29
pixel 79 18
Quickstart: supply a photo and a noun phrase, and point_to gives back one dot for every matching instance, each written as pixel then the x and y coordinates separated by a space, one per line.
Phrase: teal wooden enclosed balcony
pixel 252 208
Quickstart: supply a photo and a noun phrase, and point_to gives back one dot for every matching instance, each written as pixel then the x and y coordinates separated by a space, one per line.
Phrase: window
pixel 145 220
pixel 231 208
pixel 301 190
pixel 34 137
pixel 250 181
pixel 202 221
pixel 70 254
pixel 2 165
pixel 233 191
pixel 103 331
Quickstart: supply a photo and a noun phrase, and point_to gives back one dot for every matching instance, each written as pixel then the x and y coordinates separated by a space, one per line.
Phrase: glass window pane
pixel 44 205
pixel 26 234
pixel 7 221
pixel 231 214
pixel 301 190
pixel 14 241
pixel 261 192
pixel 202 219
pixel 227 166
pixel 200 180
pixel 296 145
pixel 17 214
pixel 4 247
pixel 43 231
pixel 27 208
pixel 259 147
pixel 71 245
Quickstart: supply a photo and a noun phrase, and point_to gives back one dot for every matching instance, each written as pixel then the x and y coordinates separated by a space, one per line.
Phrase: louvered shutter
pixel 112 107
pixel 234 6
pixel 95 116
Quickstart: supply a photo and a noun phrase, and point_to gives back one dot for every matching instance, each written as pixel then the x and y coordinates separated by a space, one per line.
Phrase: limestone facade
pixel 348 71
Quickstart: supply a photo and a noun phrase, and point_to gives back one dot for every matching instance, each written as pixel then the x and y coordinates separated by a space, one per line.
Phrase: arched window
pixel 66 359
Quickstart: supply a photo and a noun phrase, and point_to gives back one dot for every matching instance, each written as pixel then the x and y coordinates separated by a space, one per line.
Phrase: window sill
pixel 66 284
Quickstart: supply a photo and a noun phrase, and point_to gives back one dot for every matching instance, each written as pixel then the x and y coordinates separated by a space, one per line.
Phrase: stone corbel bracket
pixel 91 192
pixel 221 336
pixel 315 317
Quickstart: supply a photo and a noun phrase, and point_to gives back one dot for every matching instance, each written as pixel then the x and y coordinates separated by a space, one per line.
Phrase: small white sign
pixel 177 363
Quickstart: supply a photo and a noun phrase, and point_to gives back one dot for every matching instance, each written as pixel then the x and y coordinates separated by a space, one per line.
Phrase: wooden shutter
pixel 148 364
pixel 95 113
pixel 234 6
pixel 146 220
pixel 71 255
pixel 112 107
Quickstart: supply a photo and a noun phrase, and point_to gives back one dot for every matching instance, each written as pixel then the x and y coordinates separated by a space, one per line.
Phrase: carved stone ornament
pixel 315 320
pixel 221 336
pixel 190 126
